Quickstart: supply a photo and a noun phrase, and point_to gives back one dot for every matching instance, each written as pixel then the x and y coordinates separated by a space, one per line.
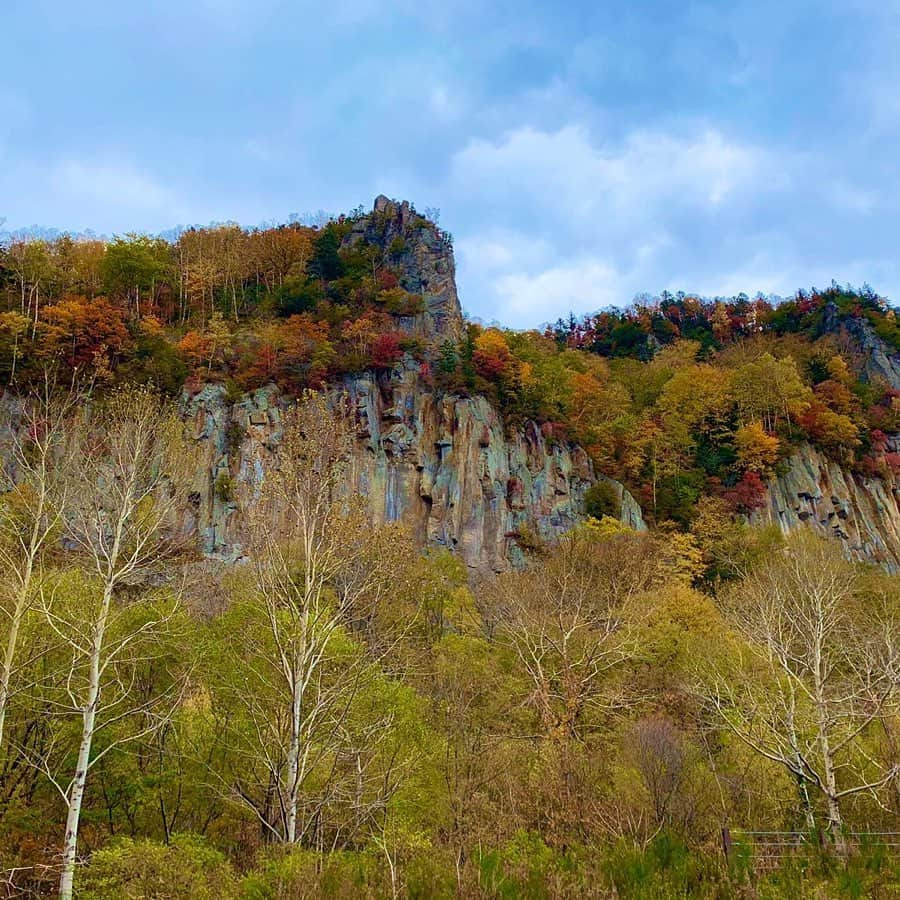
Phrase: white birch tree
pixel 817 673
pixel 319 571
pixel 31 508
pixel 129 469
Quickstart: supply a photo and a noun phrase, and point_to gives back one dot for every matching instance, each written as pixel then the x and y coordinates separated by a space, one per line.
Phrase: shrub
pixel 187 868
pixel 224 487
pixel 304 873
pixel 601 499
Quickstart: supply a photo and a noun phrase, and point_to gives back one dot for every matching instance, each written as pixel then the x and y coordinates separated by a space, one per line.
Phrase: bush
pixel 666 869
pixel 601 499
pixel 187 868
pixel 224 487
pixel 290 873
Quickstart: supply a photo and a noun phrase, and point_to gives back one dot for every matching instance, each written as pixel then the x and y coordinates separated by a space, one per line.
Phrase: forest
pixel 349 713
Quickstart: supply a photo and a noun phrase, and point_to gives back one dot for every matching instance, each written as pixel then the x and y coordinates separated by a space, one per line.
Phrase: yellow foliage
pixel 839 371
pixel 683 559
pixel 757 450
pixel 602 529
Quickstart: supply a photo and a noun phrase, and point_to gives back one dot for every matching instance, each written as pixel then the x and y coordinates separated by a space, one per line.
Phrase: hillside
pixel 310 587
pixel 689 403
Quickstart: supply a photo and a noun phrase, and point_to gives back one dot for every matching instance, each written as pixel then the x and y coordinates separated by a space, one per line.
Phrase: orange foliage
pixel 491 358
pixel 78 330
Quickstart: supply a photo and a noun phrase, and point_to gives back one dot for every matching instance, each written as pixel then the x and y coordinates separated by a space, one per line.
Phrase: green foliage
pixel 135 264
pixel 303 873
pixel 463 735
pixel 325 262
pixel 187 869
pixel 666 869
pixel 601 499
pixel 224 487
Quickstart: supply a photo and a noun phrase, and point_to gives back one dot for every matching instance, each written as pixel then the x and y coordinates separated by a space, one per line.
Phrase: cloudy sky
pixel 579 152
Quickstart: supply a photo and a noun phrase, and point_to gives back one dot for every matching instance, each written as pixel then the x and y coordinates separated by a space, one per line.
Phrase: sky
pixel 580 153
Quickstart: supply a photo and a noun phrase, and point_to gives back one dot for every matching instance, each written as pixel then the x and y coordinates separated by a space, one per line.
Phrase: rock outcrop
pixel 815 492
pixel 877 361
pixel 423 254
pixel 445 465
pixel 442 464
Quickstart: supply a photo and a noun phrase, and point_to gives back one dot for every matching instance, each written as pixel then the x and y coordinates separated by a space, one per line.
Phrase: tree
pixel 135 266
pixel 818 670
pixel 32 506
pixel 567 621
pixel 757 450
pixel 32 266
pixel 325 262
pixel 83 333
pixel 130 468
pixel 319 573
pixel 492 358
pixel 769 390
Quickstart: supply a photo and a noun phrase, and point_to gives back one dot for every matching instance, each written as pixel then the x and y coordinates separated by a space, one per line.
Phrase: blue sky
pixel 580 152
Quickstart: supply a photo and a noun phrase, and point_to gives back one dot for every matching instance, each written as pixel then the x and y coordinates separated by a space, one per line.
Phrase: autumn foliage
pixel 678 396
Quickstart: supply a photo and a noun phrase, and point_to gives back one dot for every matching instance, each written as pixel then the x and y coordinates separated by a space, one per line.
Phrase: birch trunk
pixel 294 761
pixel 9 653
pixel 89 717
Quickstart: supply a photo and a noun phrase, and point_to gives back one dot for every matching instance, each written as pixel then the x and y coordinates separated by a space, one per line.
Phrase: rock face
pixel 443 465
pixel 423 254
pixel 878 361
pixel 815 492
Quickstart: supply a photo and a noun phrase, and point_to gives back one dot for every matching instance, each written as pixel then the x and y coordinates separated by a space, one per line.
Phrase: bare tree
pixel 567 621
pixel 319 571
pixel 129 468
pixel 31 510
pixel 818 668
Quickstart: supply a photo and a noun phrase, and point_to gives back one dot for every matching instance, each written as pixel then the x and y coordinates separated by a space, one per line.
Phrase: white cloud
pixel 520 280
pixel 113 185
pixel 565 170
pixel 581 285
pixel 588 224
pixel 107 194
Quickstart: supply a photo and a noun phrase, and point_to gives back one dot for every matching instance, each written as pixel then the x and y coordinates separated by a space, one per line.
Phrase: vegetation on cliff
pixel 343 715
pixel 677 396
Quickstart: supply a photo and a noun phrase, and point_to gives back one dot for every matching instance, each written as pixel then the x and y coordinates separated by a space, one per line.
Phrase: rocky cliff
pixel 444 465
pixel 877 361
pixel 423 255
pixel 815 492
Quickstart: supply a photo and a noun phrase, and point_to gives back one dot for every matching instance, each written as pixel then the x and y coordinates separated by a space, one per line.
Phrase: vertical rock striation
pixel 815 492
pixel 444 465
pixel 423 254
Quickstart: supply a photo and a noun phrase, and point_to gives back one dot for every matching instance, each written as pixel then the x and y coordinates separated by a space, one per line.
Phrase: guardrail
pixel 768 848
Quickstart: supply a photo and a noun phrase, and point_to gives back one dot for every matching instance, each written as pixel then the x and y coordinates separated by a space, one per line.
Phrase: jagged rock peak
pixel 422 254
pixel 878 361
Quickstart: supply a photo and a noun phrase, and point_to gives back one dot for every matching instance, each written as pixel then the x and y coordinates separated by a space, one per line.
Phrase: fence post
pixel 726 843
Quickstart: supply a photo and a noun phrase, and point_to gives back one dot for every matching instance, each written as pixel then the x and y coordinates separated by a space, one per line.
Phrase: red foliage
pixel 748 494
pixel 879 440
pixel 386 350
pixel 387 280
pixel 78 330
